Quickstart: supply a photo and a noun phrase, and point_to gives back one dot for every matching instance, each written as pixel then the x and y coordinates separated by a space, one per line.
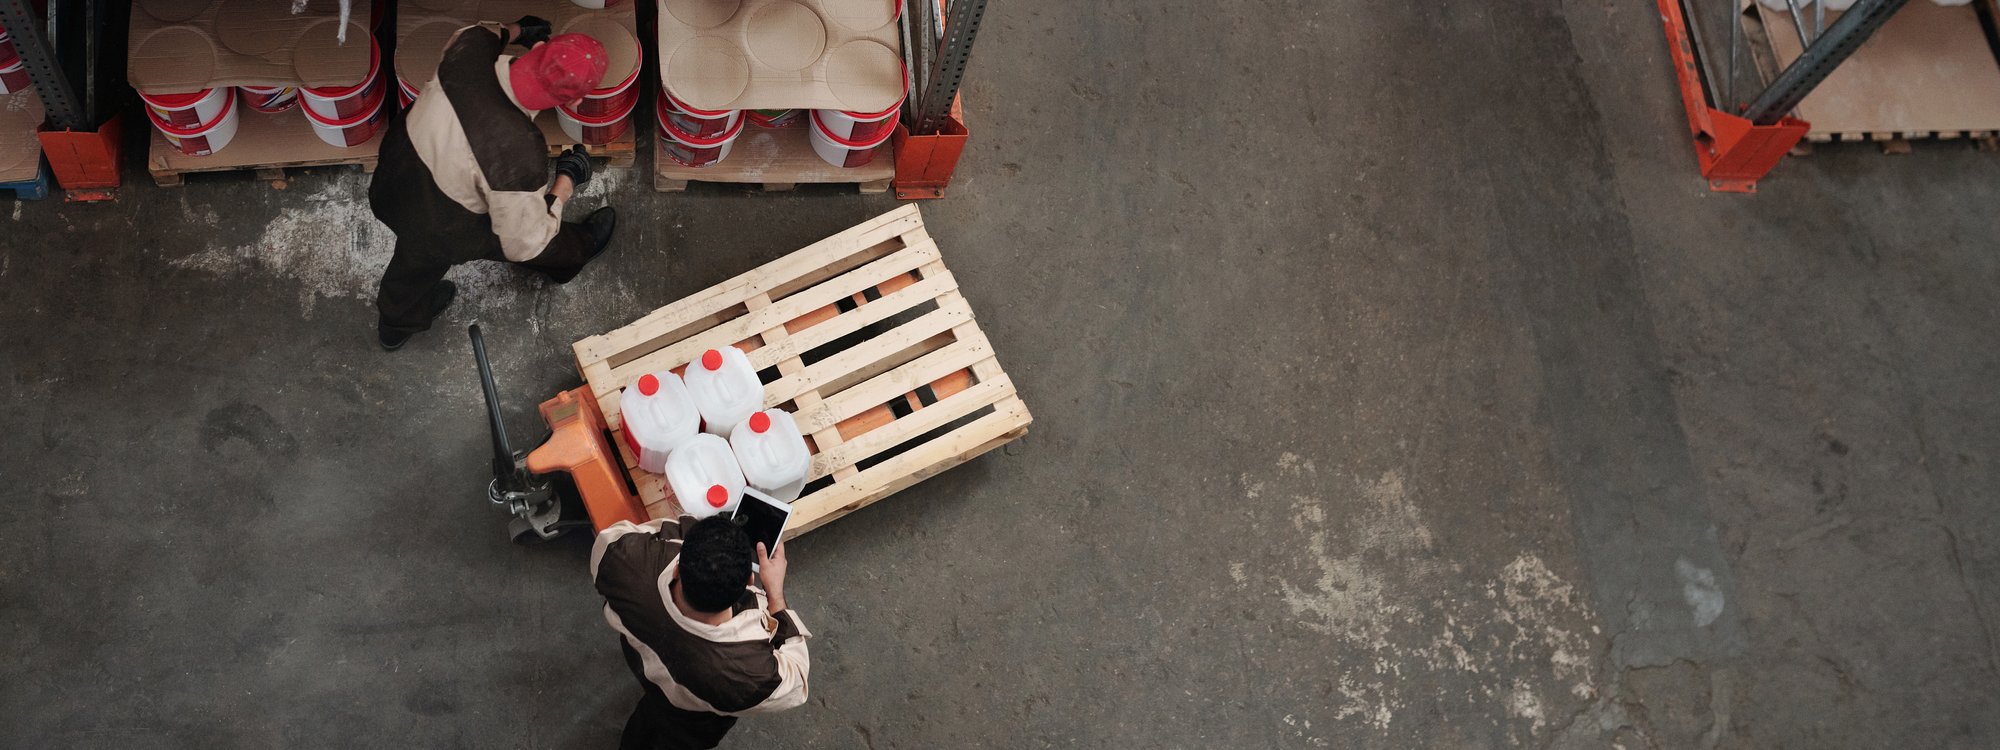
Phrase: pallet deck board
pixel 777 158
pixel 276 140
pixel 875 424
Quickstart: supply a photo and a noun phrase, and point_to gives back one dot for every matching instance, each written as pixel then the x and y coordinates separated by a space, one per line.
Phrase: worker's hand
pixel 574 163
pixel 563 188
pixel 534 30
pixel 771 571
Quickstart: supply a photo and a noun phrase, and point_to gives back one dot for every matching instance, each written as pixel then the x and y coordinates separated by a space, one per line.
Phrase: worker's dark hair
pixel 715 564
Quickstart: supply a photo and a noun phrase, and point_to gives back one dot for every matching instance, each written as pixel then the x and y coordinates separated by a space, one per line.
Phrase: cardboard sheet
pixel 20 149
pixel 781 54
pixel 424 26
pixel 182 46
pixel 1927 70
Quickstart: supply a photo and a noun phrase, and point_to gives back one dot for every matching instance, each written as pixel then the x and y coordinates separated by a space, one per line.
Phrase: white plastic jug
pixel 725 388
pixel 704 476
pixel 772 453
pixel 659 416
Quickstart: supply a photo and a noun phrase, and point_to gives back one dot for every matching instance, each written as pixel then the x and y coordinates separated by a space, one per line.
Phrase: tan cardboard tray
pixel 20 149
pixel 424 26
pixel 182 46
pixel 781 54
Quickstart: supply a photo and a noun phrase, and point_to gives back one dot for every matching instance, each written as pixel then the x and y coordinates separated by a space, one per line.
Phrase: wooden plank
pixel 829 370
pixel 765 278
pixel 916 423
pixel 1927 69
pixel 1008 422
pixel 775 158
pixel 780 312
pixel 967 350
pixel 263 141
pixel 795 344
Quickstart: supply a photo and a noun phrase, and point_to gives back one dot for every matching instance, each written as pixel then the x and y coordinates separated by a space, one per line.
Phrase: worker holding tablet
pixel 706 643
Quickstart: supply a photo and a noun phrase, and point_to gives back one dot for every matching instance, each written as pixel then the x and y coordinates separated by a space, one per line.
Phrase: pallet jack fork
pixel 565 484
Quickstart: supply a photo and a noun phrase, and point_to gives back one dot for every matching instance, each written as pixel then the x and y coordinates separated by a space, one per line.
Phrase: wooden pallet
pixel 621 151
pixel 864 336
pixel 265 143
pixel 776 158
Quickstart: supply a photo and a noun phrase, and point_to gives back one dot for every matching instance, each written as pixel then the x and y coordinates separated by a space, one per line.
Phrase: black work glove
pixel 533 30
pixel 575 163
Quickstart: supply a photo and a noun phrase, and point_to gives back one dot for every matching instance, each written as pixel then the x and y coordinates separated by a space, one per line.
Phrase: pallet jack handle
pixel 504 468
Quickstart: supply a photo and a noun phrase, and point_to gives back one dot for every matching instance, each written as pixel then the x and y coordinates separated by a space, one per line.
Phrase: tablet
pixel 763 518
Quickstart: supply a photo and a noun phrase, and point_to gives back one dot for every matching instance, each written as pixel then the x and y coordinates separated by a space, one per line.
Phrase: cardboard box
pixel 424 26
pixel 20 149
pixel 183 46
pixel 781 54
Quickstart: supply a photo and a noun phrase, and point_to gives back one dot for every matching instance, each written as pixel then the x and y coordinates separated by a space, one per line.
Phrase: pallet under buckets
pixel 863 336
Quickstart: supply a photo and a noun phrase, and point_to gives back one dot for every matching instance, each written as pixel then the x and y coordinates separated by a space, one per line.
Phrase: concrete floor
pixel 1397 385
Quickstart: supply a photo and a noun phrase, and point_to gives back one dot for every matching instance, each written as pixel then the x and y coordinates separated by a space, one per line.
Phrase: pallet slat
pixel 910 383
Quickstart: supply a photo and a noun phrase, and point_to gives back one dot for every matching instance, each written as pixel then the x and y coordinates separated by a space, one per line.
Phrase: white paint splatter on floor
pixel 1375 581
pixel 329 242
pixel 1699 589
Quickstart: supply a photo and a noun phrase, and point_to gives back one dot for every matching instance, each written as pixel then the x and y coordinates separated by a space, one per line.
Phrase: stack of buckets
pixel 602 115
pixel 203 122
pixel 13 73
pixel 695 137
pixel 699 137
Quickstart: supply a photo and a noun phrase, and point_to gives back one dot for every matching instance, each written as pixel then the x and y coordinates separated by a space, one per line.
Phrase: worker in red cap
pixel 464 174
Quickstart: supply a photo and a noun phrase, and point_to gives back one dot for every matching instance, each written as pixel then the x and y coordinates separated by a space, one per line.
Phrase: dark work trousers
pixel 428 246
pixel 659 725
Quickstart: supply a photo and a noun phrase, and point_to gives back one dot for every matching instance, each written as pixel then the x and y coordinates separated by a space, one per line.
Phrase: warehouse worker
pixel 464 175
pixel 706 644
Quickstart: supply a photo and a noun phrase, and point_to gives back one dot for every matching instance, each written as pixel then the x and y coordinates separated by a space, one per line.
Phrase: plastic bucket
pixel 14 77
pixel 840 151
pixel 616 99
pixel 342 102
pixel 8 55
pixel 353 130
pixel 188 110
pixel 205 138
pixel 700 123
pixel 268 98
pixel 595 131
pixel 693 150
pixel 859 126
pixel 772 118
pixel 597 4
pixel 405 94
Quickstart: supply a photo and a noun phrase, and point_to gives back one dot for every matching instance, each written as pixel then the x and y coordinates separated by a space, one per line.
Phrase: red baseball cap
pixel 561 70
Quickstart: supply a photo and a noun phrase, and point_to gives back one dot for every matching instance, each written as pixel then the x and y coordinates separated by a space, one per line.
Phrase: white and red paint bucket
pixel 204 138
pixel 189 110
pixel 843 151
pixel 597 4
pixel 699 123
pixel 354 129
pixel 8 55
pixel 268 99
pixel 859 126
pixel 14 76
pixel 405 93
pixel 619 99
pixel 343 102
pixel 595 130
pixel 689 149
